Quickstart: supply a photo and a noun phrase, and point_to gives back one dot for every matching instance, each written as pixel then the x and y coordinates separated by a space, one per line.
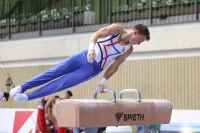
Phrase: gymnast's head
pixel 140 33
pixel 68 95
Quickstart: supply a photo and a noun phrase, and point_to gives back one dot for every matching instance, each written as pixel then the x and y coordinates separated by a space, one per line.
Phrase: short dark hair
pixel 69 93
pixel 142 30
pixel 56 96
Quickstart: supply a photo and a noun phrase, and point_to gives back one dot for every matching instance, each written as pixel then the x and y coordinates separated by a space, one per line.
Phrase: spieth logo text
pixel 129 117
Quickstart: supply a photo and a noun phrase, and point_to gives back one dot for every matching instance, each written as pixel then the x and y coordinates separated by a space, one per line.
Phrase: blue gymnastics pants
pixel 68 73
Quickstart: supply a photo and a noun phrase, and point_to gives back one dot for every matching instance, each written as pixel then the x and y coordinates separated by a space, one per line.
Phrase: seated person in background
pixel 4 96
pixel 45 111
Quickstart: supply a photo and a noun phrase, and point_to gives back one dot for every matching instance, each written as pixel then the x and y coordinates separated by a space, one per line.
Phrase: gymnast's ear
pixel 135 32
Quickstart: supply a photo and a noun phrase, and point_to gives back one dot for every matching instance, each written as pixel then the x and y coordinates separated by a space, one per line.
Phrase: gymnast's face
pixel 136 39
pixel 66 96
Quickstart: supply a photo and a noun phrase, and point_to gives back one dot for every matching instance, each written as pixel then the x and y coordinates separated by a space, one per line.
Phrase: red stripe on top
pixel 107 52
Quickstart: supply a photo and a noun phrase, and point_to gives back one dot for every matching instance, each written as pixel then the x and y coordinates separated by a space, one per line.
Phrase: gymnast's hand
pixel 47 116
pixel 102 87
pixel 8 78
pixel 91 55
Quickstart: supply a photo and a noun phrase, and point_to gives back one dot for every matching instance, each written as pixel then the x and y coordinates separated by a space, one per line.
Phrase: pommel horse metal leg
pixel 145 129
pixel 87 130
pixel 75 130
pixel 142 129
pixel 91 130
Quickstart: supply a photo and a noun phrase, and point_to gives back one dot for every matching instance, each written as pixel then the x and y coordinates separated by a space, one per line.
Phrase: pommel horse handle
pixel 131 90
pixel 106 90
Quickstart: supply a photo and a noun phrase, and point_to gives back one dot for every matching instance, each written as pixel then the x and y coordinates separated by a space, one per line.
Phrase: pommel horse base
pixel 93 113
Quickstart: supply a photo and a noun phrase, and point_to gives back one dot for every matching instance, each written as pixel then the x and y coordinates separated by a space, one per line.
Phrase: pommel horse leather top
pixel 120 112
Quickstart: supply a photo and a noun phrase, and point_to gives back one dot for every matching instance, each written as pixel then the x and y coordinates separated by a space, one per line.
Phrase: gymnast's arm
pixel 5 96
pixel 115 65
pixel 48 106
pixel 103 32
pixel 8 79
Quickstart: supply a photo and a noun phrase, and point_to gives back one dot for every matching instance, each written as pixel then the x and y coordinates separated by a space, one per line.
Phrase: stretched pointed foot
pixel 21 97
pixel 15 90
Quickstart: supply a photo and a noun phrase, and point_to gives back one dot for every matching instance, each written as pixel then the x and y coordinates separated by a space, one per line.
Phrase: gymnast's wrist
pixel 8 84
pixel 102 82
pixel 91 46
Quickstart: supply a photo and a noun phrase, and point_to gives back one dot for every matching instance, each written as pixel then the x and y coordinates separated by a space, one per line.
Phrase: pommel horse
pixel 95 113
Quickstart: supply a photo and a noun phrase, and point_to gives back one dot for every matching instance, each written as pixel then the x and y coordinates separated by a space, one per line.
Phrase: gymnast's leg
pixel 66 66
pixel 74 78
